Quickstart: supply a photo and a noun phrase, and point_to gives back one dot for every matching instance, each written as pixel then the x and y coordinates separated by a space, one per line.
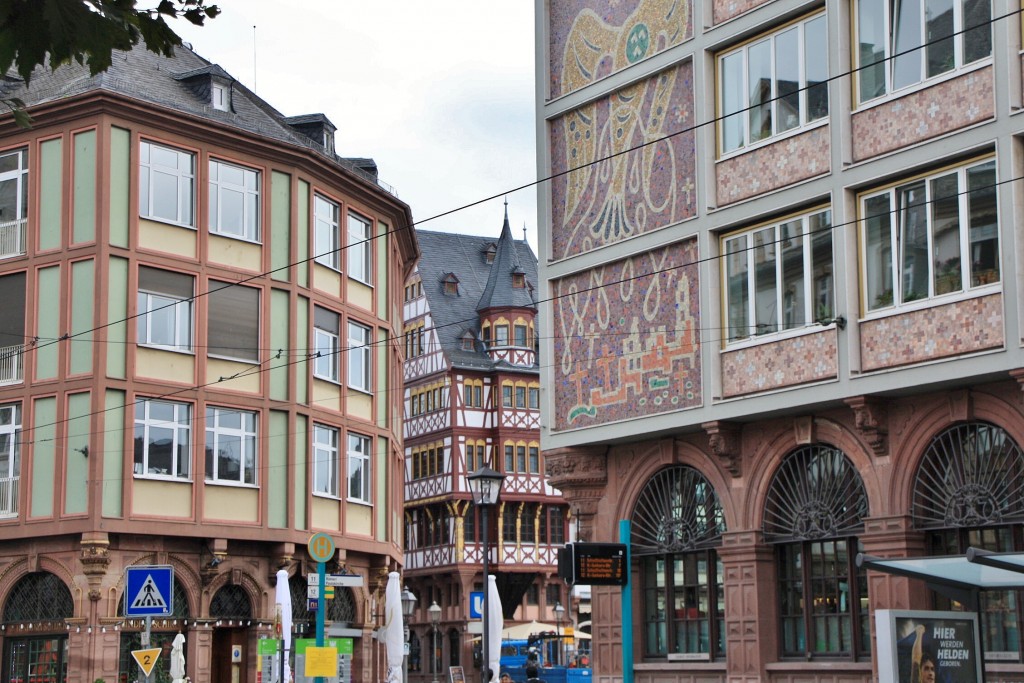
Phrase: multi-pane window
pixel 553 594
pixel 167 184
pixel 163 439
pixel 506 395
pixel 360 265
pixel 325 343
pixel 233 321
pixel 360 355
pixel 534 398
pixel 326 235
pixel 520 396
pixel 164 309
pixel 556 525
pixel 533 594
pixel 534 452
pixel 904 42
pixel 10 463
pixel 12 327
pixel 230 446
pixel 501 335
pixel 520 335
pixel 414 340
pixel 325 460
pixel 508 523
pixel 413 290
pixel 13 202
pixel 510 458
pixel 473 394
pixel 774 84
pixel 359 483
pixel 520 458
pixel 816 503
pixel 779 276
pixel 234 201
pixel 528 525
pixel 933 235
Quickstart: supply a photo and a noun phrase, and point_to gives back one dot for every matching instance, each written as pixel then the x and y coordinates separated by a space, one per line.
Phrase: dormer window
pixel 467 342
pixel 328 140
pixel 219 97
pixel 489 253
pixel 519 280
pixel 450 284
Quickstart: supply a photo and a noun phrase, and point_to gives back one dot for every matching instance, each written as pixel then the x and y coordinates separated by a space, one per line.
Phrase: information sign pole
pixel 146 643
pixel 627 608
pixel 321 549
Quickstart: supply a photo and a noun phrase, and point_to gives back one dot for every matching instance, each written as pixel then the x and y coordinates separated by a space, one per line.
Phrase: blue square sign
pixel 476 604
pixel 149 591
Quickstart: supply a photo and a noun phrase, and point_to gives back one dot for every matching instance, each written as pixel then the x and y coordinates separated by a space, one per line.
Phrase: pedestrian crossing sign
pixel 149 591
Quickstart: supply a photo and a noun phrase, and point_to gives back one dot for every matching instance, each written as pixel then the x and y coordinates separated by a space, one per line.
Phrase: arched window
pixel 815 505
pixel 231 602
pixel 39 596
pixel 677 524
pixel 340 610
pixel 969 491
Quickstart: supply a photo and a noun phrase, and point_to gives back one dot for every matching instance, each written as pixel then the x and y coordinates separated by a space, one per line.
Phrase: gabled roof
pixel 499 291
pixel 465 257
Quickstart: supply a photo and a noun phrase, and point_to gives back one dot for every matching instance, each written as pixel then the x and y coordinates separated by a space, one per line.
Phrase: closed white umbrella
pixel 178 659
pixel 392 633
pixel 283 597
pixel 495 622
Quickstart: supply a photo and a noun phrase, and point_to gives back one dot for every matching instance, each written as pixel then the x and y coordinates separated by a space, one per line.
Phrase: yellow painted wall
pixel 360 295
pixel 326 395
pixel 170 238
pixel 358 519
pixel 359 405
pixel 161 498
pixel 233 503
pixel 326 280
pixel 218 367
pixel 168 365
pixel 325 513
pixel 235 253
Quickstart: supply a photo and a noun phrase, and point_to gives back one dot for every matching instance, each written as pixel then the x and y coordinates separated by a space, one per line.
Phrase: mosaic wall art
pixel 783 363
pixel 773 166
pixel 724 10
pixel 627 339
pixel 924 114
pixel 634 152
pixel 590 39
pixel 931 333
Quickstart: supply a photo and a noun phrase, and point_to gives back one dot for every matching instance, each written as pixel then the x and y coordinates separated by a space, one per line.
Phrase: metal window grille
pixel 678 510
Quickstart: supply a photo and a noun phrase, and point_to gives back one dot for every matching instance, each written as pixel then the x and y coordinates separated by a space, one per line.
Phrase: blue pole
pixel 321 570
pixel 627 609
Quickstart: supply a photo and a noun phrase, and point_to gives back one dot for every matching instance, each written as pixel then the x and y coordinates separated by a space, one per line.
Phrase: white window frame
pixel 898 272
pixel 326 235
pixel 215 431
pixel 742 111
pixel 10 427
pixel 360 479
pixel 219 96
pixel 184 180
pixel 151 302
pixel 904 55
pixel 360 357
pixel 360 263
pixel 249 190
pixel 325 449
pixel 739 252
pixel 181 428
pixel 12 227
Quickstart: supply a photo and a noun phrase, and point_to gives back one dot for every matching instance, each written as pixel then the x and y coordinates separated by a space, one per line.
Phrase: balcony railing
pixel 11 363
pixel 12 238
pixel 9 496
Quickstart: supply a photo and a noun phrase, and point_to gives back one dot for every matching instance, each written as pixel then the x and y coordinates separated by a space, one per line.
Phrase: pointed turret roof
pixel 499 291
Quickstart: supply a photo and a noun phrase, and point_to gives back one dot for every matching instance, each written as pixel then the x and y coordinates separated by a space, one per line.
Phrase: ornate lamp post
pixel 485 485
pixel 408 607
pixel 559 612
pixel 435 618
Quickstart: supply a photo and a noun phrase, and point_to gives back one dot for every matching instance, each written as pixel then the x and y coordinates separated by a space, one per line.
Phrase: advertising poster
pixel 928 647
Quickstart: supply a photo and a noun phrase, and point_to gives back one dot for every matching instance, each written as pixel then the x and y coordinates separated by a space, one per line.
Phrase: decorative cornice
pixel 724 440
pixel 579 467
pixel 871 418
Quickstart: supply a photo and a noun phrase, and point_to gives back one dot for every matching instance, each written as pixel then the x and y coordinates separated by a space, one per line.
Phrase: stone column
pixel 581 474
pixel 751 606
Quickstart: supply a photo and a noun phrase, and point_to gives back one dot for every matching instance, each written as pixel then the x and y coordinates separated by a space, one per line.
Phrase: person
pixel 505 678
pixel 927 668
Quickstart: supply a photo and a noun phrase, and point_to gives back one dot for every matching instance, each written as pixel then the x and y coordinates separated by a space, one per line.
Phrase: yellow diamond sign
pixel 146 659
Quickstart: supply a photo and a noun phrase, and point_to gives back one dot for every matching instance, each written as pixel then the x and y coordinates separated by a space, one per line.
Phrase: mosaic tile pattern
pixel 628 193
pixel 924 114
pixel 627 339
pixel 592 39
pixel 723 10
pixel 784 363
pixel 937 332
pixel 773 166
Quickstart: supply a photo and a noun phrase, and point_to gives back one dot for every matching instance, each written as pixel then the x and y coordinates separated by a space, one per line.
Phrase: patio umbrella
pixel 178 659
pixel 283 597
pixel 392 633
pixel 494 625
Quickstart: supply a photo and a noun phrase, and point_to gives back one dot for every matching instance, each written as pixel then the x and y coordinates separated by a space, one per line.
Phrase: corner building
pixel 473 399
pixel 198 300
pixel 782 250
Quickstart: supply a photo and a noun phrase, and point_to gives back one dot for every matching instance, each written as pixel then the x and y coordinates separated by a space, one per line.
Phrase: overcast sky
pixel 440 94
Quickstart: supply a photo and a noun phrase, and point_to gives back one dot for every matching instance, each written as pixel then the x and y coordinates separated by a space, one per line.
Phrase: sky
pixel 440 94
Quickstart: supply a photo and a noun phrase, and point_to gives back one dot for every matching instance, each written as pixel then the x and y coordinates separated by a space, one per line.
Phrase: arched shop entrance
pixel 232 609
pixel 35 630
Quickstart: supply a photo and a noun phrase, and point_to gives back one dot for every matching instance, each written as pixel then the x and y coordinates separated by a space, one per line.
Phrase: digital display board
pixel 593 564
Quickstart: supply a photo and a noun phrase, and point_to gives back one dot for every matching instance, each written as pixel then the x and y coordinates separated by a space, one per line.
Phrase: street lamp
pixel 559 611
pixel 408 607
pixel 435 618
pixel 485 485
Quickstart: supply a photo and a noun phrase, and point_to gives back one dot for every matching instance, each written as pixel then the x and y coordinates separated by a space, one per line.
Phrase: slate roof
pixel 465 257
pixel 165 81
